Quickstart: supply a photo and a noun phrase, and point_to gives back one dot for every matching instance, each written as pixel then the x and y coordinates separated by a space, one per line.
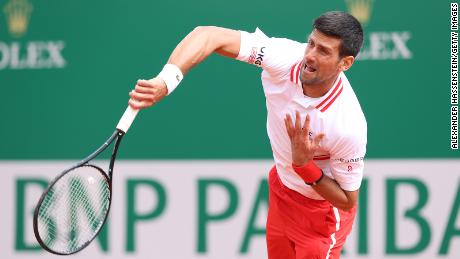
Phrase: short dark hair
pixel 343 26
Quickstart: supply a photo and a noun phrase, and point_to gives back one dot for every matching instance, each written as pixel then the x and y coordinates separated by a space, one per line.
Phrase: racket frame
pixel 118 135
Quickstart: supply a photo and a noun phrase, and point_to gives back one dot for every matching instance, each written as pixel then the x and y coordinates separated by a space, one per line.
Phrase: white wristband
pixel 172 76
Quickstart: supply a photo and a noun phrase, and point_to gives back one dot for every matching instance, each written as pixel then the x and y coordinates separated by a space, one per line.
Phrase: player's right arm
pixel 202 42
pixel 275 55
pixel 192 50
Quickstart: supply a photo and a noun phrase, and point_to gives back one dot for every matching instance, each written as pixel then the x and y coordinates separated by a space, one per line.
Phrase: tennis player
pixel 317 130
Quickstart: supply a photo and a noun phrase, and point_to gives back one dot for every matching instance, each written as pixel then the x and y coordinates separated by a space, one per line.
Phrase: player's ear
pixel 346 62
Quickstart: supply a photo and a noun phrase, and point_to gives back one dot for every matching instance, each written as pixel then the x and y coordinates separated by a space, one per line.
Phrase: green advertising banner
pixel 66 68
pixel 218 210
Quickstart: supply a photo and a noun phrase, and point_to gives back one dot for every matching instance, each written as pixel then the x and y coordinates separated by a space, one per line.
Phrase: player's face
pixel 321 62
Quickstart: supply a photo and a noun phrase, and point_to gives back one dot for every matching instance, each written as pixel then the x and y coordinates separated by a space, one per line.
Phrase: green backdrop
pixel 218 111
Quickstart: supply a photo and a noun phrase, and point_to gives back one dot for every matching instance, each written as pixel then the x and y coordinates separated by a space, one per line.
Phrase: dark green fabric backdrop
pixel 219 110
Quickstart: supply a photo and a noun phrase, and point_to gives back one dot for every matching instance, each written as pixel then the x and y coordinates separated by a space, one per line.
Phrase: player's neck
pixel 318 90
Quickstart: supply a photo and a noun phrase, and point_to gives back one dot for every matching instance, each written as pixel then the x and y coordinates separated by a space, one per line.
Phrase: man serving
pixel 317 130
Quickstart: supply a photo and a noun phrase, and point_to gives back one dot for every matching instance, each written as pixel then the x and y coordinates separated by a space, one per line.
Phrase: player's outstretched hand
pixel 147 92
pixel 303 148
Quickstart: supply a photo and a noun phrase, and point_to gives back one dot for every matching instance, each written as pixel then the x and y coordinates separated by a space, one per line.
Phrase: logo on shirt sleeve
pixel 350 160
pixel 257 56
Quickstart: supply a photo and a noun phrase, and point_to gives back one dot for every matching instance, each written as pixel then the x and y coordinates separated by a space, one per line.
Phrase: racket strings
pixel 74 210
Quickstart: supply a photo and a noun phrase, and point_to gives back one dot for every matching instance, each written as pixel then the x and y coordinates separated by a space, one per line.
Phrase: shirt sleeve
pixel 347 162
pixel 274 55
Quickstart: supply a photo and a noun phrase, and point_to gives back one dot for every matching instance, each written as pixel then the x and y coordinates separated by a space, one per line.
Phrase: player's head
pixel 332 46
pixel 342 26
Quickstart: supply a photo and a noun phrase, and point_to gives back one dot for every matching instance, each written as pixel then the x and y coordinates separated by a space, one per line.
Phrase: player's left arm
pixel 342 192
pixel 330 190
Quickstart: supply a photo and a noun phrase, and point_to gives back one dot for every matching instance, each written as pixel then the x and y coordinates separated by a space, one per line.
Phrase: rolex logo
pixel 17 15
pixel 361 9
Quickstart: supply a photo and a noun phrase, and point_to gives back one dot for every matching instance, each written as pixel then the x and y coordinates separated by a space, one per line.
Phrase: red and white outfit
pixel 301 224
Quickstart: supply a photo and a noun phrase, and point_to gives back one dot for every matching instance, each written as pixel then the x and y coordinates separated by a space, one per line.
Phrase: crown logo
pixel 17 15
pixel 361 9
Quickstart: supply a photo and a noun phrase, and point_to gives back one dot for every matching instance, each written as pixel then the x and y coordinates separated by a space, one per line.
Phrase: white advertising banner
pixel 217 209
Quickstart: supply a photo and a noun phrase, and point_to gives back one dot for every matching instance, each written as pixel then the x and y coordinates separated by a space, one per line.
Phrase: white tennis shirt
pixel 338 113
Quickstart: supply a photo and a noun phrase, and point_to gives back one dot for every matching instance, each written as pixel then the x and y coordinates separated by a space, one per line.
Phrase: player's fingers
pixel 288 123
pixel 140 104
pixel 152 83
pixel 135 104
pixel 144 83
pixel 143 89
pixel 289 120
pixel 318 139
pixel 305 130
pixel 141 97
pixel 297 120
pixel 306 124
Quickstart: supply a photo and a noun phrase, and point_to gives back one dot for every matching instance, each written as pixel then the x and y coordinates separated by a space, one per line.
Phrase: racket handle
pixel 127 119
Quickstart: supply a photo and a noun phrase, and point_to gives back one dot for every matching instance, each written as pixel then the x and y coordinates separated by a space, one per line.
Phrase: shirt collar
pixel 321 103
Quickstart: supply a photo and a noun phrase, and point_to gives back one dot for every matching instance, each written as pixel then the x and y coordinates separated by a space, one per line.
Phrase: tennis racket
pixel 75 205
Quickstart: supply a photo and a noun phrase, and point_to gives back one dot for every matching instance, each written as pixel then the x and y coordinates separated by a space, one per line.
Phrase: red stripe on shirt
pixel 321 157
pixel 297 74
pixel 331 94
pixel 332 101
pixel 292 73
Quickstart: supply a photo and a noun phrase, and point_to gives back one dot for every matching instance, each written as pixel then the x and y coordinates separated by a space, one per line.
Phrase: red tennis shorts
pixel 302 228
